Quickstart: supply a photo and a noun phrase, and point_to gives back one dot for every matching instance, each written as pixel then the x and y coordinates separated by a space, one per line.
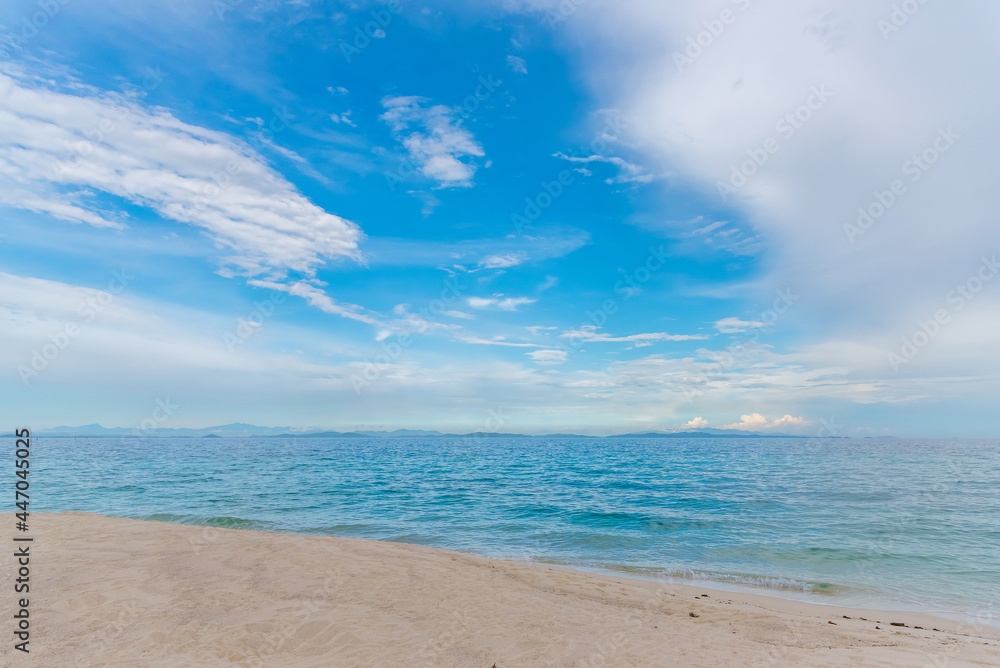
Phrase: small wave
pixel 753 580
pixel 223 522
pixel 767 582
pixel 340 530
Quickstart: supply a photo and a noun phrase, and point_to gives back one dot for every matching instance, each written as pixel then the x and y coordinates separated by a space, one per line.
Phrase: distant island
pixel 240 430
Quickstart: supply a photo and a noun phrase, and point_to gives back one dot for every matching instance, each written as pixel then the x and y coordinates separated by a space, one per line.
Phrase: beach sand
pixel 117 592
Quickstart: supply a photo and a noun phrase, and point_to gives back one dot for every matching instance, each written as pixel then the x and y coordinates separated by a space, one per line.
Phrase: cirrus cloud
pixel 59 151
pixel 735 325
pixel 548 357
pixel 591 333
pixel 499 302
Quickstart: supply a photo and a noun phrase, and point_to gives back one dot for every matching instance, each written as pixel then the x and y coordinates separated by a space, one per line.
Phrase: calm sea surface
pixel 901 523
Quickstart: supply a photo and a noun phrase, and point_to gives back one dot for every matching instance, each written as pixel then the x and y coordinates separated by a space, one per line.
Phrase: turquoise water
pixel 900 523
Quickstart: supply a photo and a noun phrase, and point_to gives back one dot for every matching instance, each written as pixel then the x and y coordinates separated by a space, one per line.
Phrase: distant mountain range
pixel 240 430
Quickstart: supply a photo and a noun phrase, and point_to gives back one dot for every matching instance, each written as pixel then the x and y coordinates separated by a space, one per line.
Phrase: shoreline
pixel 835 601
pixel 121 592
pixel 857 599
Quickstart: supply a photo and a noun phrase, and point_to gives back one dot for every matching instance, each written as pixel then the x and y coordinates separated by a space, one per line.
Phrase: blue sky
pixel 503 216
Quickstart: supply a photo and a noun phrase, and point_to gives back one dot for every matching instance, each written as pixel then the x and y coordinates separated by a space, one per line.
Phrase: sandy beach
pixel 117 592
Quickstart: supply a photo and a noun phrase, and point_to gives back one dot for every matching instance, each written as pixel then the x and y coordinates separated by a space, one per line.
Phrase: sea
pixel 898 524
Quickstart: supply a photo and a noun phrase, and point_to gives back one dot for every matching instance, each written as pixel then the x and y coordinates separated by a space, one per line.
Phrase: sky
pixel 519 216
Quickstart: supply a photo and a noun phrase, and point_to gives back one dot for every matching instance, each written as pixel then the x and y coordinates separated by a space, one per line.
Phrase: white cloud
pixel 430 202
pixel 497 341
pixel 59 149
pixel 630 291
pixel 789 420
pixel 591 333
pixel 517 64
pixel 549 283
pixel 699 234
pixel 66 206
pixel 502 261
pixel 628 172
pixel 717 379
pixel 55 301
pixel 121 338
pixel 696 423
pixel 499 302
pixel 438 143
pixel 548 243
pixel 344 118
pixel 756 421
pixel 883 99
pixel 316 297
pixel 735 325
pixel 134 345
pixel 419 323
pixel 548 357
